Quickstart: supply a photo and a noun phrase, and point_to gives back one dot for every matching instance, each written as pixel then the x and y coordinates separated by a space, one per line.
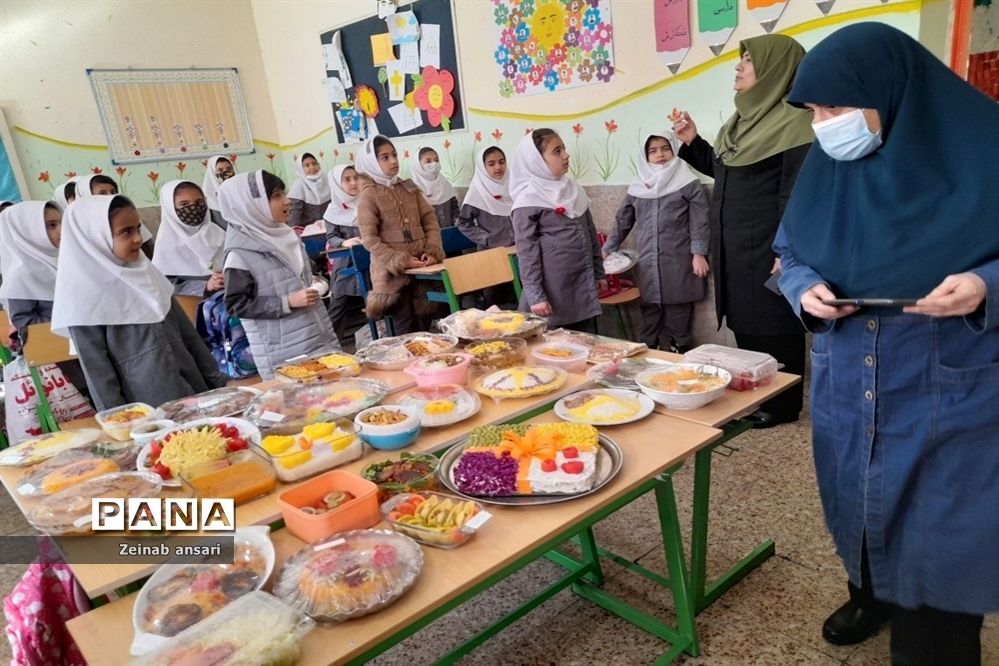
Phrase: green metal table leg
pixel 669 521
pixel 515 267
pixel 591 557
pixel 704 593
pixel 452 298
pixel 45 418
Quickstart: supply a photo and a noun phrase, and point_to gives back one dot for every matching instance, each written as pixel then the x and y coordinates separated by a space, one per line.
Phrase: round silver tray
pixel 609 462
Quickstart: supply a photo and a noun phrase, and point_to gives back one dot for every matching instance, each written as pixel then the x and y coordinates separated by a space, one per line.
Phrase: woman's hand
pixel 811 302
pixel 414 262
pixel 542 309
pixel 700 266
pixel 215 282
pixel 303 299
pixel 956 296
pixel 351 242
pixel 685 129
pixel 427 259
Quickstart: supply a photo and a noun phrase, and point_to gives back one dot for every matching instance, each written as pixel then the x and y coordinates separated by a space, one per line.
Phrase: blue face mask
pixel 846 137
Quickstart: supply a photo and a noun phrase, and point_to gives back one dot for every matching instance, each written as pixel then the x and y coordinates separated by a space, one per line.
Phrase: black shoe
pixel 854 623
pixel 761 419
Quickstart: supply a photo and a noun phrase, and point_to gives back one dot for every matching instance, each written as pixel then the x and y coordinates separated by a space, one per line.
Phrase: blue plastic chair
pixel 361 259
pixel 455 242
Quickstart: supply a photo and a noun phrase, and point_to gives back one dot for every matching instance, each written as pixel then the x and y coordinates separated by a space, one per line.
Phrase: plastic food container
pixel 440 369
pixel 358 513
pixel 410 472
pixel 254 629
pixel 496 354
pixel 568 357
pixel 397 352
pixel 602 348
pixel 118 422
pixel 68 512
pixel 218 403
pixel 242 476
pixel 749 369
pixel 442 405
pixel 296 405
pixel 621 373
pixel 37 449
pixel 150 430
pixel 476 324
pixel 75 466
pixel 323 367
pixel 194 443
pixel 389 436
pixel 301 453
pixel 692 385
pixel 350 574
pixel 447 523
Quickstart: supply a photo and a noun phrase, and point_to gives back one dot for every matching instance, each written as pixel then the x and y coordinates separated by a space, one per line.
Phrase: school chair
pixel 42 348
pixel 472 272
pixel 361 259
pixel 190 305
pixel 314 244
pixel 619 301
pixel 455 242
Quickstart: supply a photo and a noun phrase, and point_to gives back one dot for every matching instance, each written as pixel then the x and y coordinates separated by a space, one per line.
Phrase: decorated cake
pixel 543 459
pixel 520 382
pixel 480 324
pixel 322 367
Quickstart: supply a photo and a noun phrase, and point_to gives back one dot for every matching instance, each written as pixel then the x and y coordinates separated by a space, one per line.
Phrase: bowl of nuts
pixel 389 427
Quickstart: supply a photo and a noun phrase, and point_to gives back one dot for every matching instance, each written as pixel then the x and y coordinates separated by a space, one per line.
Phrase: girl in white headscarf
pixel 342 232
pixel 217 170
pixel 309 195
pixel 97 184
pixel 561 268
pixel 667 209
pixel 188 246
pixel 29 254
pixel 134 342
pixel 65 194
pixel 425 169
pixel 269 283
pixel 485 213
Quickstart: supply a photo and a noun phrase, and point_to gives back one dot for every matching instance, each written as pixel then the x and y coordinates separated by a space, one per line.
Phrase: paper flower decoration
pixel 367 99
pixel 433 95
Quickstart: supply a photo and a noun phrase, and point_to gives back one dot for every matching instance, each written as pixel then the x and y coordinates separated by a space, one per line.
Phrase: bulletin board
pixel 161 114
pixel 432 95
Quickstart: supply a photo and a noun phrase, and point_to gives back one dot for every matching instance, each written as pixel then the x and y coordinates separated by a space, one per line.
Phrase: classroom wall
pixel 274 43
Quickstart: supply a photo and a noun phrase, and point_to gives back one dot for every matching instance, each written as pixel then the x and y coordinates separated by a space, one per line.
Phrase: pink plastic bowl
pixel 426 375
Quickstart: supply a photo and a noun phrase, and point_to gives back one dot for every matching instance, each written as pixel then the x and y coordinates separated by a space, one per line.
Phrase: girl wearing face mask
pixel 218 170
pixel 269 283
pixel 309 195
pixel 342 231
pixel 189 246
pixel 561 267
pixel 668 210
pixel 400 231
pixel 754 161
pixel 903 402
pixel 436 189
pixel 134 342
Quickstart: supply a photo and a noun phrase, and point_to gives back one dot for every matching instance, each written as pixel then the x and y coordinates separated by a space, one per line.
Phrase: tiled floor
pixel 765 488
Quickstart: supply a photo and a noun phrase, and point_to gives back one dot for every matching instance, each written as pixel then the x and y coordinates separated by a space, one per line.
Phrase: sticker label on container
pixel 82 521
pixel 273 417
pixel 25 488
pixel 478 520
pixel 297 358
pixel 331 544
pixel 211 403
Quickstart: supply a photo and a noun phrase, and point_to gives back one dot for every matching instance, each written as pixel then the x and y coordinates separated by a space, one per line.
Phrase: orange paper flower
pixel 433 95
pixel 43 176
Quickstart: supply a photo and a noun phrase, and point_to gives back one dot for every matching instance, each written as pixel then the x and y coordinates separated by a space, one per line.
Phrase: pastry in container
pixel 298 405
pixel 323 367
pixel 602 348
pixel 350 574
pixel 75 466
pixel 68 512
pixel 409 472
pixel 254 629
pixel 563 355
pixel 397 352
pixel 298 453
pixel 118 422
pixel 749 369
pixel 496 354
pixel 218 403
pixel 38 449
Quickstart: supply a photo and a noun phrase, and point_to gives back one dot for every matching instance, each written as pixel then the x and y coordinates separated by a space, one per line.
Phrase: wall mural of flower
pixel 44 176
pixel 542 45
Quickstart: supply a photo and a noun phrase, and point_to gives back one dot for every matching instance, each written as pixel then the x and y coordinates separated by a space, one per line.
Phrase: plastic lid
pixel 293 405
pixel 602 348
pixel 736 361
pixel 69 510
pixel 399 351
pixel 73 467
pixel 227 401
pixel 37 449
pixel 476 324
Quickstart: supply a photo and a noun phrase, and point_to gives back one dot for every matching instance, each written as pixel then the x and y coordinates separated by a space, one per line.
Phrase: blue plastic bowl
pixel 391 442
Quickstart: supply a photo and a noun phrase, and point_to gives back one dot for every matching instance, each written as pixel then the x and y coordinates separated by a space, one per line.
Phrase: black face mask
pixel 194 214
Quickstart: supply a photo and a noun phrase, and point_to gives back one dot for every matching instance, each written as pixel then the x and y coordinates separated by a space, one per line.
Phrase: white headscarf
pixel 653 182
pixel 487 193
pixel 59 196
pixel 310 189
pixel 436 188
pixel 95 288
pixel 532 183
pixel 367 163
pixel 83 185
pixel 28 259
pixel 210 185
pixel 342 210
pixel 245 206
pixel 180 248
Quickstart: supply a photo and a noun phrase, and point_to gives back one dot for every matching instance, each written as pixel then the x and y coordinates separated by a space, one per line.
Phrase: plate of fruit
pixel 434 518
pixel 194 443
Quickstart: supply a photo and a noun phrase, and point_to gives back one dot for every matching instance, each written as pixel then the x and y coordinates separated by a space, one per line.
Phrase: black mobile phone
pixel 871 302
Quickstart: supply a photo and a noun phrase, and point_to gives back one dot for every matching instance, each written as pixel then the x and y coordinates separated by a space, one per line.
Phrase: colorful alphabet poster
pixel 549 45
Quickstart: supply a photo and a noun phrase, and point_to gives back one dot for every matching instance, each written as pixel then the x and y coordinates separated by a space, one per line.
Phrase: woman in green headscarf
pixel 754 163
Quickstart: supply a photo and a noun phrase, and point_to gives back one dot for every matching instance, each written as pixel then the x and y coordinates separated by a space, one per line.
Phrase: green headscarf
pixel 764 124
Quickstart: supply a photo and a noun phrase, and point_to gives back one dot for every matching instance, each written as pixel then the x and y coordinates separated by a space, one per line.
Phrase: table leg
pixel 45 417
pixel 704 593
pixel 452 298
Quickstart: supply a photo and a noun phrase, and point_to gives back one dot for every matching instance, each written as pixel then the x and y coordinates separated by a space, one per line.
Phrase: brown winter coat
pixel 396 223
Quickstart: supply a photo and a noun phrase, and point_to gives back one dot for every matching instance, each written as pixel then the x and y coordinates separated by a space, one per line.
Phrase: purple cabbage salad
pixel 482 473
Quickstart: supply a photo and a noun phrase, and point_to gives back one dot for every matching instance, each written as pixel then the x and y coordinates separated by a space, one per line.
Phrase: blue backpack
pixel 225 338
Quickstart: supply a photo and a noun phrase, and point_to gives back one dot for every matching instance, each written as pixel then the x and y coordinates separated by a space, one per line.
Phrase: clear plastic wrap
pixel 253 630
pixel 39 449
pixel 118 422
pixel 326 445
pixel 194 443
pixel 442 405
pixel 620 373
pixel 482 324
pixel 520 382
pixel 295 405
pixel 602 348
pixel 565 355
pixel 350 574
pixel 323 367
pixel 749 369
pixel 397 352
pixel 73 467
pixel 226 401
pixel 496 354
pixel 68 512
pixel 435 519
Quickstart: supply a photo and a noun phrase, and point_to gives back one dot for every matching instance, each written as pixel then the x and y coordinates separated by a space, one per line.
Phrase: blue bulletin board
pixel 400 71
pixel 11 179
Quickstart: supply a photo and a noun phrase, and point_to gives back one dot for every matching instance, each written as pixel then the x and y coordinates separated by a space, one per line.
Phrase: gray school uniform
pixel 485 229
pixel 150 363
pixel 257 285
pixel 25 312
pixel 342 286
pixel 188 286
pixel 303 214
pixel 560 262
pixel 667 232
pixel 217 218
pixel 446 212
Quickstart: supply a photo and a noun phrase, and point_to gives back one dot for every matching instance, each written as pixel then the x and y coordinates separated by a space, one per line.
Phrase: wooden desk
pixel 513 537
pixel 432 269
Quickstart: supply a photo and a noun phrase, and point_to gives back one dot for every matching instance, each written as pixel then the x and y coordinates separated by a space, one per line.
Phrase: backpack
pixel 225 338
